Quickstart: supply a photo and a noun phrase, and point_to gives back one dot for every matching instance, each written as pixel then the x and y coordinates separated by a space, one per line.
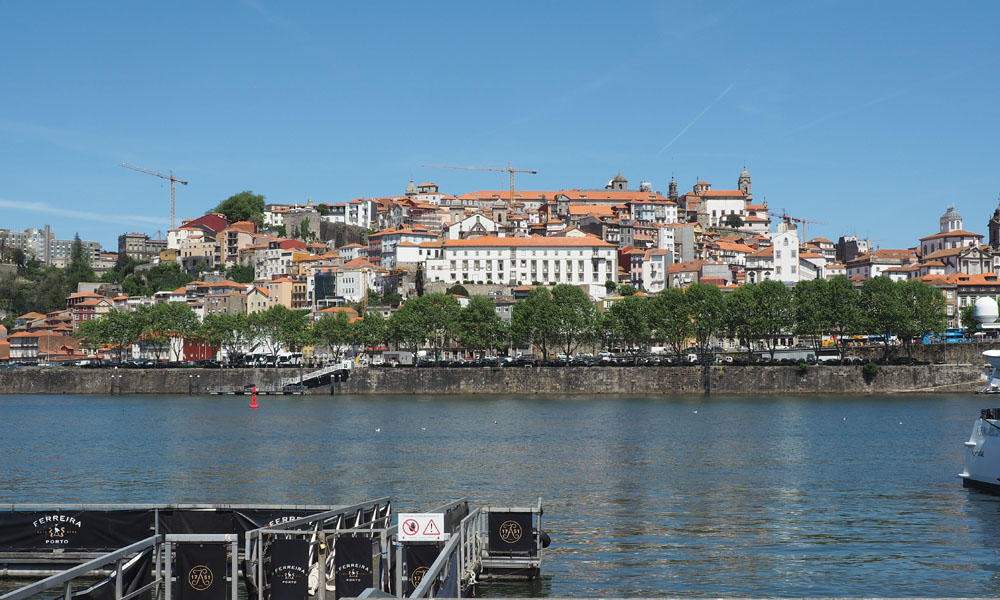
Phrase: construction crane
pixel 787 217
pixel 510 169
pixel 169 177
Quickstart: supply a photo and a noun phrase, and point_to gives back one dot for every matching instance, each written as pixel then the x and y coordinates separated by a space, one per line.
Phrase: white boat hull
pixel 982 453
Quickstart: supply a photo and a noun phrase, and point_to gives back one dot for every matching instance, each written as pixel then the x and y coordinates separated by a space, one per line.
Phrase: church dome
pixel 951 214
pixel 619 177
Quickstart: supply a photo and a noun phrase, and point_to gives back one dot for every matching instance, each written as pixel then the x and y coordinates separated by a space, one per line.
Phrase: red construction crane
pixel 510 169
pixel 169 177
pixel 787 217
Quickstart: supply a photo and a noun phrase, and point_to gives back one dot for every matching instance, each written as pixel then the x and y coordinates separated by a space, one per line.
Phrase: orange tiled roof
pixel 948 234
pixel 529 242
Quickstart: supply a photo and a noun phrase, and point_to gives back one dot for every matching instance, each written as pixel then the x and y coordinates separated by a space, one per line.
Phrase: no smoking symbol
pixel 411 527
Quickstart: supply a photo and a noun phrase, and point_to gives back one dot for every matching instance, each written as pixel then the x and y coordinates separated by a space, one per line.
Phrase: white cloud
pixel 42 207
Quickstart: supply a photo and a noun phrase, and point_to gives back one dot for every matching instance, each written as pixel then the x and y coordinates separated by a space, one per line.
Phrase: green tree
pixel 172 320
pixel 706 306
pixel 631 319
pixel 479 326
pixel 240 273
pixel 967 319
pixel 842 314
pixel 335 331
pixel 574 316
pixel 774 311
pixel 245 206
pixel 610 287
pixel 438 313
pixel 533 321
pixel 740 318
pixel 230 332
pixel 280 327
pixel 405 327
pixel 372 331
pixel 118 329
pixel 627 290
pixel 670 319
pixel 808 299
pixel 884 309
pixel 734 221
pixel 925 312
pixel 79 266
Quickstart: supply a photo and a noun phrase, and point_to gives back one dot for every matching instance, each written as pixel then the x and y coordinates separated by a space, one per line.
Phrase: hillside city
pixel 373 255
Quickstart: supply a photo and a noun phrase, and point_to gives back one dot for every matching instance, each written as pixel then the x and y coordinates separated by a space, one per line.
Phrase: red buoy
pixel 253 398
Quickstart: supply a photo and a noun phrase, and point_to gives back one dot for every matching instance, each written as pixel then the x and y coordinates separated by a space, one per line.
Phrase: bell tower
pixel 744 184
pixel 994 230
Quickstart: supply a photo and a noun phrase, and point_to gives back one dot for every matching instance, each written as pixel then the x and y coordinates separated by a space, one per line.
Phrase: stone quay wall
pixel 721 379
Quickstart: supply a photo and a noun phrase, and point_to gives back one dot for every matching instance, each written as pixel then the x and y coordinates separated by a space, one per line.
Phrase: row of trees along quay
pixel 562 319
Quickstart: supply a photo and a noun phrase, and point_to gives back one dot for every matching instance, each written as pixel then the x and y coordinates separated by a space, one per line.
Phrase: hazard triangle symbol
pixel 431 528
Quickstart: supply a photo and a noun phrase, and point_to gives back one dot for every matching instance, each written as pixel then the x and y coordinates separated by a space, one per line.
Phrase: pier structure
pixel 330 374
pixel 279 552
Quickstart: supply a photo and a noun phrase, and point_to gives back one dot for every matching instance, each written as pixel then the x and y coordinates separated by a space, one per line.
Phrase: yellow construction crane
pixel 787 218
pixel 510 169
pixel 169 177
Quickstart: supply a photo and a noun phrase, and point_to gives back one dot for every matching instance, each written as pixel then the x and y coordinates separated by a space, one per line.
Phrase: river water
pixel 769 496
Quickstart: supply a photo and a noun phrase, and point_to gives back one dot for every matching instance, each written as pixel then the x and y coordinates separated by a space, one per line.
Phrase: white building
pixel 950 235
pixel 354 279
pixel 786 255
pixel 474 225
pixel 655 264
pixel 583 261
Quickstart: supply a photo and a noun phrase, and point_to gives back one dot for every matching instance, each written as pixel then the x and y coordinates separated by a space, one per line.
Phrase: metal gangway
pixel 338 372
pixel 280 552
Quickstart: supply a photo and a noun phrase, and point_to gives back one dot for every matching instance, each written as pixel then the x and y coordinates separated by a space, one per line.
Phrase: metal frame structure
pixel 461 559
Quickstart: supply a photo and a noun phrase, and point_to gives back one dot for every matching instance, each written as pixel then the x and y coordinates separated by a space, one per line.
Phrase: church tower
pixel 672 194
pixel 618 184
pixel 994 229
pixel 744 184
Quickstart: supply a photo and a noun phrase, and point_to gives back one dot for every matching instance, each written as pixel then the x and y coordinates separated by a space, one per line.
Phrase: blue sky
pixel 872 117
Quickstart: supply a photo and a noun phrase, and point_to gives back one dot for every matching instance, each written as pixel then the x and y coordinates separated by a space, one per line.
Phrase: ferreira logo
pixel 417 576
pixel 57 529
pixel 510 531
pixel 200 578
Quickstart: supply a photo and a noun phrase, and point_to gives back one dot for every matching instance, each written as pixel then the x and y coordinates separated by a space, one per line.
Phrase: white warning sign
pixel 421 527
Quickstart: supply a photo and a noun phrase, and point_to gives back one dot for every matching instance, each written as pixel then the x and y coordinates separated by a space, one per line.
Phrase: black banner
pixel 352 562
pixel 201 571
pixel 246 519
pixel 73 530
pixel 196 521
pixel 288 569
pixel 511 532
pixel 418 559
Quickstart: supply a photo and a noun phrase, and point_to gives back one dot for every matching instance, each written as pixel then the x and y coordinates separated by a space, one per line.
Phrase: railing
pixel 118 558
pixel 370 517
pixel 160 547
pixel 343 365
pixel 458 562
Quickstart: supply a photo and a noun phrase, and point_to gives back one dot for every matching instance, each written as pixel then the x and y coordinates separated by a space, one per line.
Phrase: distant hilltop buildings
pixel 324 255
